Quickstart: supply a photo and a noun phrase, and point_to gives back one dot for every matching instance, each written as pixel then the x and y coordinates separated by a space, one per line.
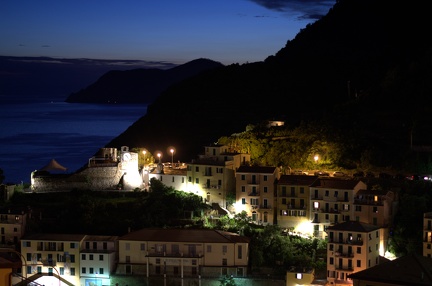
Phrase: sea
pixel 36 129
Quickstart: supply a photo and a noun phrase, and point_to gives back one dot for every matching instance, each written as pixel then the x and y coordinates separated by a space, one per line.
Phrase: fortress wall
pixel 99 178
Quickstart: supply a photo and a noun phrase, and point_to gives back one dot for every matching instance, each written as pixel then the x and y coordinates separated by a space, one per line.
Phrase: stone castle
pixel 109 169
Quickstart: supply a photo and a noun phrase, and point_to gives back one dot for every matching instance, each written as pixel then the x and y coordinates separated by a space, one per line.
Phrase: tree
pixel 227 281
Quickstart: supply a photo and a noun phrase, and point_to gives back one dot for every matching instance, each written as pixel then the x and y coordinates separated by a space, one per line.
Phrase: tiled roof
pixel 100 238
pixel 355 226
pixel 411 269
pixel 256 169
pixel 184 235
pixel 335 183
pixel 297 180
pixel 54 237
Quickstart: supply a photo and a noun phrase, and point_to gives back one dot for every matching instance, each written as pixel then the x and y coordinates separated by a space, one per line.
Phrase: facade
pixel 98 259
pixel 183 253
pixel 332 202
pixel 212 175
pixel 255 192
pixel 13 222
pixel 427 234
pixel 52 256
pixel 294 209
pixel 352 247
pixel 175 177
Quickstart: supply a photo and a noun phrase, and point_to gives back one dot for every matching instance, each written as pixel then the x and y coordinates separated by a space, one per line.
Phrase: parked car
pixel 339 174
pixel 299 172
pixel 322 174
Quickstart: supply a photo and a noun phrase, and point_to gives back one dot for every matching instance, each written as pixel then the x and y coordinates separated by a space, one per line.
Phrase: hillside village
pixel 352 217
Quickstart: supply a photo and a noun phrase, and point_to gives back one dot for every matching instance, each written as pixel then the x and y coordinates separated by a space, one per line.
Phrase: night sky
pixel 227 31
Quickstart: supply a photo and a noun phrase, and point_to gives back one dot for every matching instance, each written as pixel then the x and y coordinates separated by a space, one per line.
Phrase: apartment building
pixel 255 192
pixel 332 202
pixel 376 207
pixel 427 234
pixel 98 259
pixel 170 176
pixel 293 202
pixel 13 222
pixel 212 175
pixel 52 257
pixel 183 253
pixel 352 246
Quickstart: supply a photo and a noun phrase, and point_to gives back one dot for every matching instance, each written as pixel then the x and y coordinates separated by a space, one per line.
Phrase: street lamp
pixel 172 157
pixel 316 158
pixel 159 156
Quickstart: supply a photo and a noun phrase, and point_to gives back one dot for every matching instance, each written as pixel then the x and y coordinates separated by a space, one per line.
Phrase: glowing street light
pixel 172 156
pixel 144 152
pixel 159 156
pixel 316 158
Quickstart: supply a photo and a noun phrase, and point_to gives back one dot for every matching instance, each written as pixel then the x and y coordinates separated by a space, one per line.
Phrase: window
pixel 302 190
pixel 190 179
pixel 87 245
pixel 358 208
pixel 224 249
pixel 158 260
pixel 105 246
pixel 83 257
pixel 243 201
pixel 83 270
pixel 91 256
pixel 224 262
pixel 239 252
pixel 254 202
pixel 336 193
pixel 127 246
pixel 358 250
pixel 142 246
pixel 15 229
pixel 243 177
pixel 265 178
pixel 173 179
pixel 27 243
pixel 91 271
pixel 61 271
pixel 101 257
pixel 209 248
pixel 127 259
pixel 331 262
pixel 196 169
pixel 327 193
pixel 243 189
pixel 72 258
pixel 375 210
pixel 29 256
pixel 265 189
pixel 224 271
pixel 183 180
pixel 101 271
pixel 72 271
pixel 316 205
pixel 196 180
pixel 72 245
pixel 299 276
pixel 194 262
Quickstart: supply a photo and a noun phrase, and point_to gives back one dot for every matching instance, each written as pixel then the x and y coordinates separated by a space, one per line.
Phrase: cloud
pixel 308 9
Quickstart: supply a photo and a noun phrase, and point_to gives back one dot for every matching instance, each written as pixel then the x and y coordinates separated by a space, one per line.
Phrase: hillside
pixel 138 85
pixel 361 68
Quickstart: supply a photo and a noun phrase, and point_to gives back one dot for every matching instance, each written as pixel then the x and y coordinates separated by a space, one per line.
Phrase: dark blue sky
pixel 177 31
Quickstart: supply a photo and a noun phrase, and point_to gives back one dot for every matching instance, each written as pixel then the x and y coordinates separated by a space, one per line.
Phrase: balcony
pixel 254 194
pixel 344 255
pixel 210 186
pixel 265 207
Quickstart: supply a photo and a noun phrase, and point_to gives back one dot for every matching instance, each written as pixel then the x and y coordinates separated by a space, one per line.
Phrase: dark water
pixel 34 131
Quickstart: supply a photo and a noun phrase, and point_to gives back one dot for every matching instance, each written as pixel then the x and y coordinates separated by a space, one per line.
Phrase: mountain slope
pixel 359 67
pixel 138 85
